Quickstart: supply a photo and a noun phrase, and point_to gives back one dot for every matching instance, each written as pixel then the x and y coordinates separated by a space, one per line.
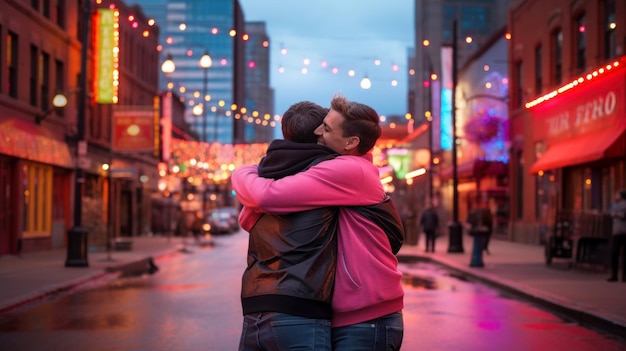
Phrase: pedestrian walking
pixel 618 239
pixel 430 225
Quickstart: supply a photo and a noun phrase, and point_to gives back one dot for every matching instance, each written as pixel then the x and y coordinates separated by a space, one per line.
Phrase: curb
pixel 51 291
pixel 133 267
pixel 558 306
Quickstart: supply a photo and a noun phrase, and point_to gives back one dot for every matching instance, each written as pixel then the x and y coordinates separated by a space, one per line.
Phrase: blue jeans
pixel 271 331
pixel 380 334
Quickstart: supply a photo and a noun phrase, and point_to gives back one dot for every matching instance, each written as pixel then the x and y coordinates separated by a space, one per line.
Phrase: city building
pixel 568 121
pixel 77 150
pixel 478 23
pixel 259 93
pixel 190 30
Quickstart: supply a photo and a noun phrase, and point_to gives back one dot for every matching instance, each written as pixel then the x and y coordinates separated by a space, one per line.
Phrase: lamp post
pixel 77 236
pixel 455 244
pixel 205 63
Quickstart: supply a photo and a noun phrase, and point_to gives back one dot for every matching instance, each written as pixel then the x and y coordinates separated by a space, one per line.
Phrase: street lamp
pixel 77 236
pixel 58 101
pixel 455 244
pixel 205 63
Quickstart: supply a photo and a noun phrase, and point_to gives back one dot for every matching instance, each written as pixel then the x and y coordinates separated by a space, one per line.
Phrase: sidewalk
pixel 581 294
pixel 35 276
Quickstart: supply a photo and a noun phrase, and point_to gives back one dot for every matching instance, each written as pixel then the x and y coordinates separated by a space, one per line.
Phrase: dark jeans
pixel 430 240
pixel 618 242
pixel 273 331
pixel 380 334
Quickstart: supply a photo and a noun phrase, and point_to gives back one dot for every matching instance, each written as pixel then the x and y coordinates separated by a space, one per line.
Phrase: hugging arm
pixel 343 181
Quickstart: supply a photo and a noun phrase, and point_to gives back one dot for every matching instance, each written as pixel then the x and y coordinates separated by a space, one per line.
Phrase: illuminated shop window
pixel 36 182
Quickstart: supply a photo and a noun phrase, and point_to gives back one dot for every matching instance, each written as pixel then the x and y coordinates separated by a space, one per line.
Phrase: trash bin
pixel 77 247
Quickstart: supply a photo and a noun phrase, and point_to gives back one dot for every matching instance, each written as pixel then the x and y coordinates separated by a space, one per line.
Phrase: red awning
pixel 31 142
pixel 583 149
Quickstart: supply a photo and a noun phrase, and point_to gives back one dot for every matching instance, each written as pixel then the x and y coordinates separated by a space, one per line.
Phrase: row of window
pixel 579 39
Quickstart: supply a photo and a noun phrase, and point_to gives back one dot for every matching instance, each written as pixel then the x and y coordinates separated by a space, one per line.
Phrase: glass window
pixel 61 13
pixel 557 56
pixel 34 65
pixel 80 25
pixel 609 25
pixel 37 193
pixel 581 41
pixel 12 63
pixel 44 80
pixel 59 86
pixel 538 70
pixel 45 10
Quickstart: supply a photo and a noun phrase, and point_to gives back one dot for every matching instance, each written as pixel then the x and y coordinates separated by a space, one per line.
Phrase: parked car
pixel 222 221
pixel 234 212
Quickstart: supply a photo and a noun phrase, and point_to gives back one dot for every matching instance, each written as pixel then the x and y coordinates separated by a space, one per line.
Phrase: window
pixel 581 41
pixel 59 86
pixel 44 80
pixel 519 90
pixel 12 63
pixel 33 74
pixel 80 25
pixel 37 192
pixel 557 56
pixel 609 25
pixel 45 11
pixel 538 70
pixel 61 13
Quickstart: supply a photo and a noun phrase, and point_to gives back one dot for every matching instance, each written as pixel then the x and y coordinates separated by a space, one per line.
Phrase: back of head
pixel 622 193
pixel 300 121
pixel 359 120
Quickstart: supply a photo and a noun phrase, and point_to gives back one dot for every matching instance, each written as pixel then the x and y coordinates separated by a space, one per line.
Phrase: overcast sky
pixel 347 35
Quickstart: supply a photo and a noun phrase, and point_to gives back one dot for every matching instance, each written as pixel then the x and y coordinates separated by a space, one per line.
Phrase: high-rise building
pixel 189 30
pixel 259 94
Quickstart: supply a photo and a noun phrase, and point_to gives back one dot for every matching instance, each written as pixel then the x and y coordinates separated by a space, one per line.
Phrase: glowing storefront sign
pixel 106 42
pixel 446 98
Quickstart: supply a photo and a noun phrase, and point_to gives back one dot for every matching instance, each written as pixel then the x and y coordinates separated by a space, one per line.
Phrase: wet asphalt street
pixel 192 303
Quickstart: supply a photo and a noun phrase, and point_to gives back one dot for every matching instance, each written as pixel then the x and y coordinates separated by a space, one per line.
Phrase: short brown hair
pixel 359 120
pixel 300 121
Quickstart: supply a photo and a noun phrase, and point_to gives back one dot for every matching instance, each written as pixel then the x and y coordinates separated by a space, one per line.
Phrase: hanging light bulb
pixel 168 65
pixel 366 83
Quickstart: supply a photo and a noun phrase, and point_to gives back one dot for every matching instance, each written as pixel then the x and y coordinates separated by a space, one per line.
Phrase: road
pixel 192 303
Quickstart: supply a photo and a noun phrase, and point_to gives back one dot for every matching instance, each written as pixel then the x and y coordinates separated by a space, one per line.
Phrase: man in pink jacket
pixel 368 294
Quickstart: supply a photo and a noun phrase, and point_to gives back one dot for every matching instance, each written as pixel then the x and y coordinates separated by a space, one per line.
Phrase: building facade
pixel 47 153
pixel 259 93
pixel 479 36
pixel 568 121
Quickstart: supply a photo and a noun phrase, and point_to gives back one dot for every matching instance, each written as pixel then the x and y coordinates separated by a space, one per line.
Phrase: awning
pixel 31 142
pixel 583 149
pixel 475 169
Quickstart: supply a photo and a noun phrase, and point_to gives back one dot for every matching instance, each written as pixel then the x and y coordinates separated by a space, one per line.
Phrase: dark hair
pixel 622 193
pixel 359 120
pixel 300 121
